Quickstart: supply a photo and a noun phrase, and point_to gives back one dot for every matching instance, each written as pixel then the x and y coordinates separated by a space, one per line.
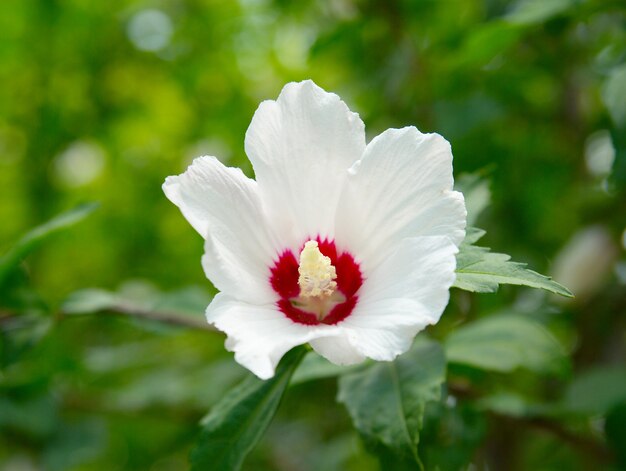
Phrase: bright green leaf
pixel 596 391
pixel 476 193
pixel 528 12
pixel 482 271
pixel 614 95
pixel 508 404
pixel 187 301
pixel 504 343
pixel 143 300
pixel 89 300
pixel 237 423
pixel 386 400
pixel 472 235
pixel 34 237
pixel 486 42
pixel 513 405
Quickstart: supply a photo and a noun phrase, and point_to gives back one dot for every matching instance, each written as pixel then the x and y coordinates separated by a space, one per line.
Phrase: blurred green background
pixel 100 101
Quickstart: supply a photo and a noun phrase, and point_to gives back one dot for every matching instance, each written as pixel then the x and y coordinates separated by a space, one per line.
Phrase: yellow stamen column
pixel 317 274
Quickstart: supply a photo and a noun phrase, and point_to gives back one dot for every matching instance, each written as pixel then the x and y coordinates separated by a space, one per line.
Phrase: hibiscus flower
pixel 341 244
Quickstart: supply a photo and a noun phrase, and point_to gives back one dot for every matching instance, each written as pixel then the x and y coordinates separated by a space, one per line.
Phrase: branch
pixel 6 315
pixel 128 309
pixel 165 317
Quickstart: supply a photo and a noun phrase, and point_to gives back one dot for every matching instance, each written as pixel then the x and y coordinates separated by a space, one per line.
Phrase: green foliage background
pixel 99 101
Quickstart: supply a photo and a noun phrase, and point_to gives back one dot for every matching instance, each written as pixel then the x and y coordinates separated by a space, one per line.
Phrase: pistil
pixel 317 274
pixel 318 288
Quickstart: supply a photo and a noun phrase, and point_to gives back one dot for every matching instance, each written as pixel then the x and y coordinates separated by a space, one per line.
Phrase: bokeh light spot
pixel 150 30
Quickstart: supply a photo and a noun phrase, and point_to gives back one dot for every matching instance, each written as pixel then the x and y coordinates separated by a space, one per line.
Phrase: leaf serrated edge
pixel 473 235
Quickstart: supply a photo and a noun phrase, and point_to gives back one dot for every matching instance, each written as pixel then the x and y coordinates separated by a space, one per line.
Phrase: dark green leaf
pixel 236 424
pixel 482 271
pixel 504 343
pixel 35 417
pixel 453 433
pixel 34 237
pixel 19 334
pixel 386 400
pixel 615 430
pixel 618 175
pixel 75 443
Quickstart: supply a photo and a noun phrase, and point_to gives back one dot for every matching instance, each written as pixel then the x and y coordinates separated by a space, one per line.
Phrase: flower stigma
pixel 317 274
pixel 318 288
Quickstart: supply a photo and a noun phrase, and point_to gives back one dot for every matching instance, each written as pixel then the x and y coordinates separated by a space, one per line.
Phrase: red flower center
pixel 332 310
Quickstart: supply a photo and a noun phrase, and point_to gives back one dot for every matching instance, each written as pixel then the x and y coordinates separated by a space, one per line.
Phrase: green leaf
pixel 487 41
pixel 513 405
pixel 614 95
pixel 482 271
pixel 34 237
pixel 596 390
pixel 387 399
pixel 186 301
pixel 504 343
pixel 528 12
pixel 143 300
pixel 476 193
pixel 453 432
pixel 75 443
pixel 90 300
pixel 618 175
pixel 472 235
pixel 237 423
pixel 35 417
pixel 19 334
pixel 615 431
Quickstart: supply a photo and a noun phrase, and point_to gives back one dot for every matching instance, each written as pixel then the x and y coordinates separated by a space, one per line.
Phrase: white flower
pixel 345 245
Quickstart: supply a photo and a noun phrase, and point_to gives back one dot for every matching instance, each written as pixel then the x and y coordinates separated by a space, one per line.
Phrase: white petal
pixel 223 205
pixel 402 187
pixel 338 349
pixel 301 146
pixel 260 335
pixel 406 292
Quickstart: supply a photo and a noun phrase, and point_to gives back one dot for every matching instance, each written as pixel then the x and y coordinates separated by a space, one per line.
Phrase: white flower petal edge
pixel 406 292
pixel 223 205
pixel 300 147
pixel 260 335
pixel 401 187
